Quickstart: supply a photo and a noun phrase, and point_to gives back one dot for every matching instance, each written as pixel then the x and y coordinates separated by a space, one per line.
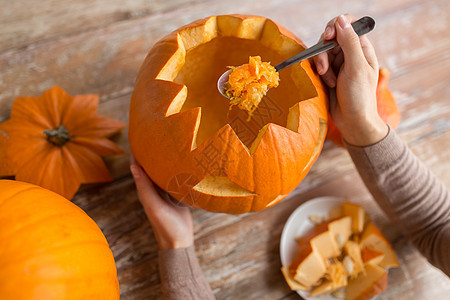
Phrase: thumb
pixel 349 42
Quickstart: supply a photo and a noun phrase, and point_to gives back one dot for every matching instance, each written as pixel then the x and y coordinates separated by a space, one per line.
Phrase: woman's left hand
pixel 171 221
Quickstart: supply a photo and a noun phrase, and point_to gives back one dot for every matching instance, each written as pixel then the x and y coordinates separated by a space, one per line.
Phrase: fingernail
pixel 327 32
pixel 135 171
pixel 343 22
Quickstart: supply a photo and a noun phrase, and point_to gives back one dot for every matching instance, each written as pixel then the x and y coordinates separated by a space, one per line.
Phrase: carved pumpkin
pixel 207 156
pixel 386 106
pixel 50 249
pixel 56 141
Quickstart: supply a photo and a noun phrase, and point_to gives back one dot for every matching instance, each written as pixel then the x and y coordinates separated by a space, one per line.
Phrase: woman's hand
pixel 171 221
pixel 352 68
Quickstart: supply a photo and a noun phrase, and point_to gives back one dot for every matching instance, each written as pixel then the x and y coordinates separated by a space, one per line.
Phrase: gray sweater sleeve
pixel 410 195
pixel 181 276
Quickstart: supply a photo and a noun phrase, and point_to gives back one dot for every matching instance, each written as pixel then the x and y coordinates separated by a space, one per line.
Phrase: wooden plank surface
pixel 105 60
pixel 29 21
pixel 98 46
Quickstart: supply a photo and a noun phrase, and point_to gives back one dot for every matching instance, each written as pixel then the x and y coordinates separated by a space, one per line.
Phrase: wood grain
pixel 49 19
pixel 97 47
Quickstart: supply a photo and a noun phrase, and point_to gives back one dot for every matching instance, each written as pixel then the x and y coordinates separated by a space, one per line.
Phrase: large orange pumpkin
pixel 50 249
pixel 386 106
pixel 183 134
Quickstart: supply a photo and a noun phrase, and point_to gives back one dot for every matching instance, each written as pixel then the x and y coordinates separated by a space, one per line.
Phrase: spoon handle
pixel 361 27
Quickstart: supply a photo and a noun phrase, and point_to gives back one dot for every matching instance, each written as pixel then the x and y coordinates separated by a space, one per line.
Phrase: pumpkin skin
pixel 386 106
pixel 188 141
pixel 50 248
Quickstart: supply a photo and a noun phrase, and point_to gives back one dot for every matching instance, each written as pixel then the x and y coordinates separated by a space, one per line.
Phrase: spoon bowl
pixel 221 82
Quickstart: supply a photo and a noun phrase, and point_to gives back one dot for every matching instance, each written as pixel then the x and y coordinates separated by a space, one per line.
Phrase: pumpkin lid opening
pixel 204 53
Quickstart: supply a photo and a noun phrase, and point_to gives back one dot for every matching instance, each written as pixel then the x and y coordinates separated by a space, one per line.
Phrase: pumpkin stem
pixel 58 136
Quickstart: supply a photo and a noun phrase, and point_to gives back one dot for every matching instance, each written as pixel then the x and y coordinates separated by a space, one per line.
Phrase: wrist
pixel 165 245
pixel 167 240
pixel 365 132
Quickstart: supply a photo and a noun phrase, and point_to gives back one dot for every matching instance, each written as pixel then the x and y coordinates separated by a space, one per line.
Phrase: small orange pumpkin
pixel 55 141
pixel 386 106
pixel 191 145
pixel 50 249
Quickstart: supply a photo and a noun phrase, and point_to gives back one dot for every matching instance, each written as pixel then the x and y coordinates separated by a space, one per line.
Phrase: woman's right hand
pixel 352 68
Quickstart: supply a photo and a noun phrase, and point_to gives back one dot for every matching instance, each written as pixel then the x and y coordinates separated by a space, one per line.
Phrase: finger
pixel 336 50
pixel 333 100
pixel 322 60
pixel 133 167
pixel 140 177
pixel 349 43
pixel 145 187
pixel 369 52
pixel 337 62
pixel 322 63
pixel 143 184
pixel 330 78
pixel 330 31
pixel 132 159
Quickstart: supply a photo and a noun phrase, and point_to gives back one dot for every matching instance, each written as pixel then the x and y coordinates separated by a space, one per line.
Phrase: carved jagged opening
pixel 203 65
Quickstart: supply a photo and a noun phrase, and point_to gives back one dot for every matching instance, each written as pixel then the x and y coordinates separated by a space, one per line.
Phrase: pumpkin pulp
pixel 248 84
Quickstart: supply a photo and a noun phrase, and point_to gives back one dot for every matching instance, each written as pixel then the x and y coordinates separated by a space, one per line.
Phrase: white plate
pixel 299 224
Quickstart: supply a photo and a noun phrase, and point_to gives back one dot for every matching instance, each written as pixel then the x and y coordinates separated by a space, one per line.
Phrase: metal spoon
pixel 361 27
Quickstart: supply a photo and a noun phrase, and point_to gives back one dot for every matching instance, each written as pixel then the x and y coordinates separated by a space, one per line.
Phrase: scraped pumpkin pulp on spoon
pixel 248 84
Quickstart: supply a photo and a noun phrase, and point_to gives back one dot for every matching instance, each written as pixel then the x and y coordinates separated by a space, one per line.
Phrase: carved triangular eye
pixel 221 186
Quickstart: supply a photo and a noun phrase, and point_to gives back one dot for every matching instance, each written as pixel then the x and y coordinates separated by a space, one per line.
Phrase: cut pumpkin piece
pixel 370 256
pixel 357 214
pixel 321 240
pixel 341 230
pixel 372 238
pixel 324 288
pixel 316 247
pixel 293 284
pixel 355 211
pixel 308 267
pixel 367 285
pixel 336 212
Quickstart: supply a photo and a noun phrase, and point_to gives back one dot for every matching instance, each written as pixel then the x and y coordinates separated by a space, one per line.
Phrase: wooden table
pixel 97 46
